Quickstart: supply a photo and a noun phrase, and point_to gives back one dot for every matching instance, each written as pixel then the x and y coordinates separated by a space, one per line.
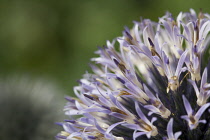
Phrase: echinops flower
pixel 151 83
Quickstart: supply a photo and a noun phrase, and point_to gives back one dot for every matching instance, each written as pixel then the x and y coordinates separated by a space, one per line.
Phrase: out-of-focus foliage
pixel 29 108
pixel 56 39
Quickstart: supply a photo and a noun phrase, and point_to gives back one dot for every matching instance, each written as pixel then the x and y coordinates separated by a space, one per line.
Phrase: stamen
pixel 114 109
pixel 120 66
pixel 144 125
pixel 124 93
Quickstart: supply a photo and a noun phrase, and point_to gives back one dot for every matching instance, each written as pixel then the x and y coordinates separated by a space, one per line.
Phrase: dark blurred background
pixel 55 39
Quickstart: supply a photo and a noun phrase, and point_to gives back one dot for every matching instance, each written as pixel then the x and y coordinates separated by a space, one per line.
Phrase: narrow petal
pixel 132 126
pixel 148 92
pixel 204 78
pixel 170 129
pixel 195 87
pixel 181 62
pixel 98 127
pixel 187 105
pixel 152 108
pixel 202 121
pixel 137 134
pixel 177 134
pixel 113 126
pixel 201 110
pixel 153 120
pixel 140 113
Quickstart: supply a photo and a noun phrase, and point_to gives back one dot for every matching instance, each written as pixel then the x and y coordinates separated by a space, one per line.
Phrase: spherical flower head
pixel 150 83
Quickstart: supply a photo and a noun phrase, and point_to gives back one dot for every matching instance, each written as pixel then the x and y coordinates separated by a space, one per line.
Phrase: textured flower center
pixel 192 119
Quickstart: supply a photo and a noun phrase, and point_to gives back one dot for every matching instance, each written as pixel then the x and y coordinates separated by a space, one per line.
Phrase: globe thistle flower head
pixel 151 83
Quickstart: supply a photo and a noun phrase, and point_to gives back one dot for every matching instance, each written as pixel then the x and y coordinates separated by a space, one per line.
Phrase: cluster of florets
pixel 152 84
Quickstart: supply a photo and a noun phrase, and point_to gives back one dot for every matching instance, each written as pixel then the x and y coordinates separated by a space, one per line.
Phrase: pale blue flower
pixel 139 87
pixel 191 117
pixel 171 135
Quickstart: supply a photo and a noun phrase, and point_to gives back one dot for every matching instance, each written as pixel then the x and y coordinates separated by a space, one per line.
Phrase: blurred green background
pixel 55 39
